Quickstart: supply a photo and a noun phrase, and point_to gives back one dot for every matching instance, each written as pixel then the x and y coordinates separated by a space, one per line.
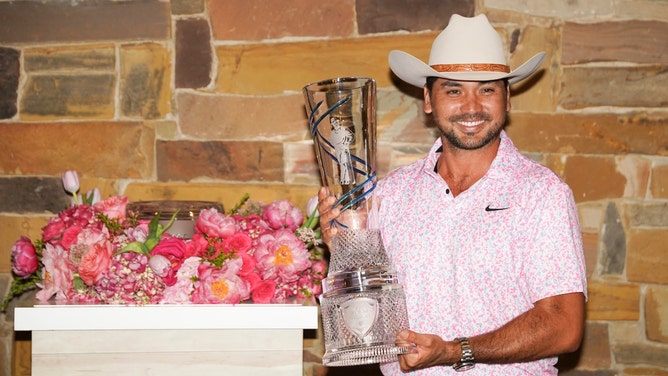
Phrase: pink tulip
pixel 70 181
pixel 312 206
pixel 160 265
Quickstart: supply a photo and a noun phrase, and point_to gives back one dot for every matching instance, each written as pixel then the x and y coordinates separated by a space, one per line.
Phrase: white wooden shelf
pixel 244 339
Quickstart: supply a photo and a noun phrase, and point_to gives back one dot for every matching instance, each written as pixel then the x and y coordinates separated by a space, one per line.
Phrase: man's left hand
pixel 429 350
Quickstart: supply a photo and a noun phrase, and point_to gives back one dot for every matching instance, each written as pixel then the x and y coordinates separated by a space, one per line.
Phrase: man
pixel 486 242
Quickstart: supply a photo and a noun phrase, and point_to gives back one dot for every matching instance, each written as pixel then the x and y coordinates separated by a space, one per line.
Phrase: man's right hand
pixel 328 213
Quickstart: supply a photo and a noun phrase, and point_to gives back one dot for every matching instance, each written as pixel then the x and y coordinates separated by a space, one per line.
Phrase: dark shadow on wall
pixel 527 84
pixel 568 362
pixel 366 370
pixel 404 87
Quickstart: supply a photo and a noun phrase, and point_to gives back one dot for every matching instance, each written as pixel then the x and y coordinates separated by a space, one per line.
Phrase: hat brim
pixel 415 72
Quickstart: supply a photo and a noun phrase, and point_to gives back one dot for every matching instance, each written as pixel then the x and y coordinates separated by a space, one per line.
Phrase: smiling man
pixel 486 242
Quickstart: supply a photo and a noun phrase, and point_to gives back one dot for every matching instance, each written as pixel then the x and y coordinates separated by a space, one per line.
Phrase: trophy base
pixel 359 355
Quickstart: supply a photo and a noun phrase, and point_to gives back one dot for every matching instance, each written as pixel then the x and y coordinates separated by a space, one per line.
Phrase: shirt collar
pixel 496 170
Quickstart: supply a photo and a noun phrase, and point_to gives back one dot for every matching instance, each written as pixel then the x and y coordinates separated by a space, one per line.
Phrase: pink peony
pixel 220 285
pixel 215 224
pixel 24 258
pixel 282 214
pixel 57 274
pixel 282 255
pixel 114 207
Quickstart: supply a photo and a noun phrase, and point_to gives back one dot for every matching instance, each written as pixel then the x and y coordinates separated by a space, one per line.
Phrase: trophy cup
pixel 363 305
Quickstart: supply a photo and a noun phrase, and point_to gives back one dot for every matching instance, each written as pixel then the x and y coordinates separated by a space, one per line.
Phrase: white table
pixel 245 339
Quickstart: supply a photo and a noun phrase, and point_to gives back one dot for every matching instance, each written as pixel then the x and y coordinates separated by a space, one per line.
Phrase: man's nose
pixel 471 103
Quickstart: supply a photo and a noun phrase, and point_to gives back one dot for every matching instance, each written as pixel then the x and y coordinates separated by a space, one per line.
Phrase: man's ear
pixel 508 106
pixel 427 100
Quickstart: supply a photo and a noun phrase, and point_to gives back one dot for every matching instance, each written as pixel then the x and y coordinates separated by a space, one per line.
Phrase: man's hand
pixel 429 350
pixel 328 213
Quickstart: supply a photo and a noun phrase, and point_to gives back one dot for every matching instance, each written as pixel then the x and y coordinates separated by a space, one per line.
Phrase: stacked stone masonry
pixel 201 99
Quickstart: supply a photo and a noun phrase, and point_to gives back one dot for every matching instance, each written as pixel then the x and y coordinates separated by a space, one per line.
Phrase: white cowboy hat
pixel 469 49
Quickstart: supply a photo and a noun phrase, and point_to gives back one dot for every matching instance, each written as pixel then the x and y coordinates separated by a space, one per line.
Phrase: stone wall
pixel 200 99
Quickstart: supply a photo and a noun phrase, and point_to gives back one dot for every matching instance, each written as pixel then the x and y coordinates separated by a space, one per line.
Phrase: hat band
pixel 471 68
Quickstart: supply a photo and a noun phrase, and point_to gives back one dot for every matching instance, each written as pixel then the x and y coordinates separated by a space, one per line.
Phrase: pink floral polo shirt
pixel 471 263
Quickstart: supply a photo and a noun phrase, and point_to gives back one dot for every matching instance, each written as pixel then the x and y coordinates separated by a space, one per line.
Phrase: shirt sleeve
pixel 554 260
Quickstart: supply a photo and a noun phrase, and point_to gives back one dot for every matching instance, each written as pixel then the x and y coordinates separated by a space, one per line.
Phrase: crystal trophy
pixel 363 305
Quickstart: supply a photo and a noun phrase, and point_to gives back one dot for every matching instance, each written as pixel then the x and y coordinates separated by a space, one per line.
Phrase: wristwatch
pixel 467 361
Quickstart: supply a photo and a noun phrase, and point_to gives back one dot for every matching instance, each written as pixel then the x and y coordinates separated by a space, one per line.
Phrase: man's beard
pixel 460 143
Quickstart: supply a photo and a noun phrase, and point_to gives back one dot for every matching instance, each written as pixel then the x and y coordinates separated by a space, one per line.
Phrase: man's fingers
pixel 323 193
pixel 328 213
pixel 406 336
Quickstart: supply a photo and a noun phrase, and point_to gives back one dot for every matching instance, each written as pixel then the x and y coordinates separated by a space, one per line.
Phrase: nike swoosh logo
pixel 490 209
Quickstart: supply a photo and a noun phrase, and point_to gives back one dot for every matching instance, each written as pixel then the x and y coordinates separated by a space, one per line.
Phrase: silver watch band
pixel 467 361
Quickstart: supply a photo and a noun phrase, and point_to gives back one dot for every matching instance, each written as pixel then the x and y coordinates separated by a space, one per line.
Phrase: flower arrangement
pixel 93 252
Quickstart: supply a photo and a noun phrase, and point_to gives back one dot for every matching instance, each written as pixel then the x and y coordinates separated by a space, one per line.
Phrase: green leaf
pixel 154 225
pixel 87 198
pixel 150 243
pixel 155 231
pixel 113 225
pixel 78 283
pixel 160 230
pixel 137 247
pixel 235 209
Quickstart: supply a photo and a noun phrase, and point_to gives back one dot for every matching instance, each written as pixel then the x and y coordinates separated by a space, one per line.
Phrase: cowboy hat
pixel 468 49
